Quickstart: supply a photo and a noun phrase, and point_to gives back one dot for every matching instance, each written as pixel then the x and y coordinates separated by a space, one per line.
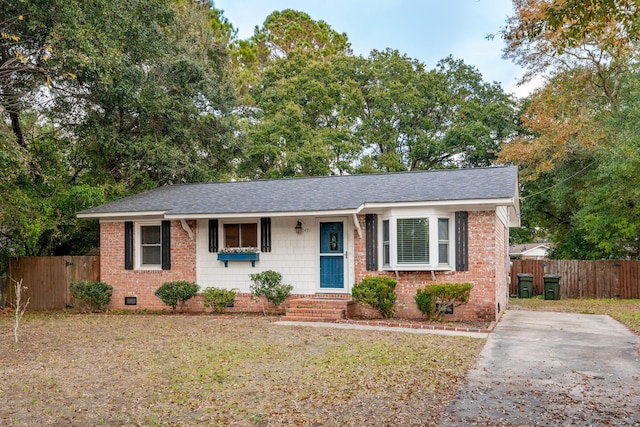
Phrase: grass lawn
pixel 624 311
pixel 126 370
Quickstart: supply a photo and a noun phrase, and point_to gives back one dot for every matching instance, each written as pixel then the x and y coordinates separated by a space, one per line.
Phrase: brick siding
pixel 143 283
pixel 487 273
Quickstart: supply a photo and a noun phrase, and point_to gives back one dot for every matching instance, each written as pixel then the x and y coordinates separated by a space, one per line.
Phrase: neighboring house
pixel 530 251
pixel 322 234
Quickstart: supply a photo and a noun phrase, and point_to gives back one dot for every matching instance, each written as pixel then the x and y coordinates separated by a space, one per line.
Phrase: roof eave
pixel 110 215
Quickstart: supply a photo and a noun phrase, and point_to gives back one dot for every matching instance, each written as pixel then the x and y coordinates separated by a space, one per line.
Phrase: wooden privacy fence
pixel 582 279
pixel 47 279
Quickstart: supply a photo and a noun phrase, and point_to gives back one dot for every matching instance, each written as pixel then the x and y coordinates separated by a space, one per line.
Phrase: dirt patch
pixel 77 370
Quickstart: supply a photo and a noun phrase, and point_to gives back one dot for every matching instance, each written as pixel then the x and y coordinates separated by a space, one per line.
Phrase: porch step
pixel 317 309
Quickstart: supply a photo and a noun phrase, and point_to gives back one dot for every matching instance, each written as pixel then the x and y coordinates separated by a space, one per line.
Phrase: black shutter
pixel 165 239
pixel 462 241
pixel 371 244
pixel 213 235
pixel 128 245
pixel 265 234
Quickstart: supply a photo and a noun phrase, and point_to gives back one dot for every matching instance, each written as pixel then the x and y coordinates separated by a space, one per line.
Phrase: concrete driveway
pixel 541 368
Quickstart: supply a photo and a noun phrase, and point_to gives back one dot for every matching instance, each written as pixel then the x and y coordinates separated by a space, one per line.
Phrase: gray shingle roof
pixel 318 193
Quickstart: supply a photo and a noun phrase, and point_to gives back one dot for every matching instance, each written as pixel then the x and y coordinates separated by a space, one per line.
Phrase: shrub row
pixel 433 300
pixel 268 284
pixel 376 291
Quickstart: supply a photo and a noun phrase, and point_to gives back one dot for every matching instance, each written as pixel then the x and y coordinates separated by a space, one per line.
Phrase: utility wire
pixel 561 181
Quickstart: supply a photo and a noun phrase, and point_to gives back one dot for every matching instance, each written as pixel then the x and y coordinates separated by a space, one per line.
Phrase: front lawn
pixel 78 370
pixel 624 311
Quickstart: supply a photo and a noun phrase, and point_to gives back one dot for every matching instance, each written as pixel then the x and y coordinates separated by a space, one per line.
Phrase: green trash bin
pixel 525 285
pixel 551 286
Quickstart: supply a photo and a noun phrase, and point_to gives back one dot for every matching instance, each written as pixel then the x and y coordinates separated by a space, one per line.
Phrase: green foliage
pixel 96 295
pixel 378 292
pixel 434 300
pixel 218 299
pixel 269 285
pixel 172 293
pixel 139 94
pixel 386 112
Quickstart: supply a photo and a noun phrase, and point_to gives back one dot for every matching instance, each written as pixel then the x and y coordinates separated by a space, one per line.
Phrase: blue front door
pixel 331 255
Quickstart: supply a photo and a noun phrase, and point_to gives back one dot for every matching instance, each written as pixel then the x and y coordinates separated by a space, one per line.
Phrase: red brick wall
pixel 143 283
pixel 486 272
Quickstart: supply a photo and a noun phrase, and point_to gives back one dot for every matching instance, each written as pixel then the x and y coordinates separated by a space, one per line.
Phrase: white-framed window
pixel 443 241
pixel 416 242
pixel 412 240
pixel 240 235
pixel 386 244
pixel 149 246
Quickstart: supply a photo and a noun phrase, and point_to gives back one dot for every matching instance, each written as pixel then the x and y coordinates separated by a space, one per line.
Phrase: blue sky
pixel 427 30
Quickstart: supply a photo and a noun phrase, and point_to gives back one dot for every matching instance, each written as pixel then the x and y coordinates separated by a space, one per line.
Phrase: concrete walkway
pixel 382 328
pixel 556 369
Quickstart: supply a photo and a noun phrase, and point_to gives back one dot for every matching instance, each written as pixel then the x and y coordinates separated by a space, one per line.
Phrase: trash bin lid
pixel 525 275
pixel 551 276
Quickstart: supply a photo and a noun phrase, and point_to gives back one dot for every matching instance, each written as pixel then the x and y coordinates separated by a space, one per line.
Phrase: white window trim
pixel 137 240
pixel 223 237
pixel 433 264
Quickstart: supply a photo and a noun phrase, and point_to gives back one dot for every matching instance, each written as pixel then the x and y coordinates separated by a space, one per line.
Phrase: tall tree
pixel 283 33
pixel 304 119
pixel 132 95
pixel 586 50
pixel 598 37
pixel 412 118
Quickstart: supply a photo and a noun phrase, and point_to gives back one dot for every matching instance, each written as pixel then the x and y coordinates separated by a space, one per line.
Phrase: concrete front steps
pixel 317 309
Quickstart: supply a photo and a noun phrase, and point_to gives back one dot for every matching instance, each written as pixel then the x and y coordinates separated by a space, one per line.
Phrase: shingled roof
pixel 331 193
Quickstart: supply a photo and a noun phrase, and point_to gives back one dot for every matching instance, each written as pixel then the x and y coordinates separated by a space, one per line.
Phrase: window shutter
pixel 165 236
pixel 128 245
pixel 371 244
pixel 462 241
pixel 213 235
pixel 265 234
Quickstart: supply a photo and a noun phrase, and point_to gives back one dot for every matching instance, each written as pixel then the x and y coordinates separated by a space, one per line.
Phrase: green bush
pixel 218 299
pixel 96 295
pixel 171 293
pixel 433 300
pixel 269 285
pixel 378 292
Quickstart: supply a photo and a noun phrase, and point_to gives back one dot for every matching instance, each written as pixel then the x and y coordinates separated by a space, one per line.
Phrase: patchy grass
pixel 624 311
pixel 178 370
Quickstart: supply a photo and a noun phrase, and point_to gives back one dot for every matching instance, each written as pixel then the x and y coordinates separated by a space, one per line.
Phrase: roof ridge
pixel 296 178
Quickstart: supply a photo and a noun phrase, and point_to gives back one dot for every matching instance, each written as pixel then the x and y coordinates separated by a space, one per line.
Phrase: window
pixel 443 241
pixel 417 243
pixel 241 235
pixel 386 250
pixel 150 245
pixel 413 241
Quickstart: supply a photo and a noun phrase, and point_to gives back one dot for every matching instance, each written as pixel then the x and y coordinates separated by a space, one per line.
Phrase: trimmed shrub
pixel 96 295
pixel 269 285
pixel 172 293
pixel 434 300
pixel 378 292
pixel 218 299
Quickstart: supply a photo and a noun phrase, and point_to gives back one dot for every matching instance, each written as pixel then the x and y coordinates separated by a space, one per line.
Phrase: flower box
pixel 251 257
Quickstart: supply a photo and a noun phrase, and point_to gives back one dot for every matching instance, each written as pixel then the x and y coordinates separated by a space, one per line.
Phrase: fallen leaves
pixel 223 370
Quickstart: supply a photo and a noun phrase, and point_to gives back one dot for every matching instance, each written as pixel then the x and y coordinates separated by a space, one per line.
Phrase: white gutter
pixel 120 214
